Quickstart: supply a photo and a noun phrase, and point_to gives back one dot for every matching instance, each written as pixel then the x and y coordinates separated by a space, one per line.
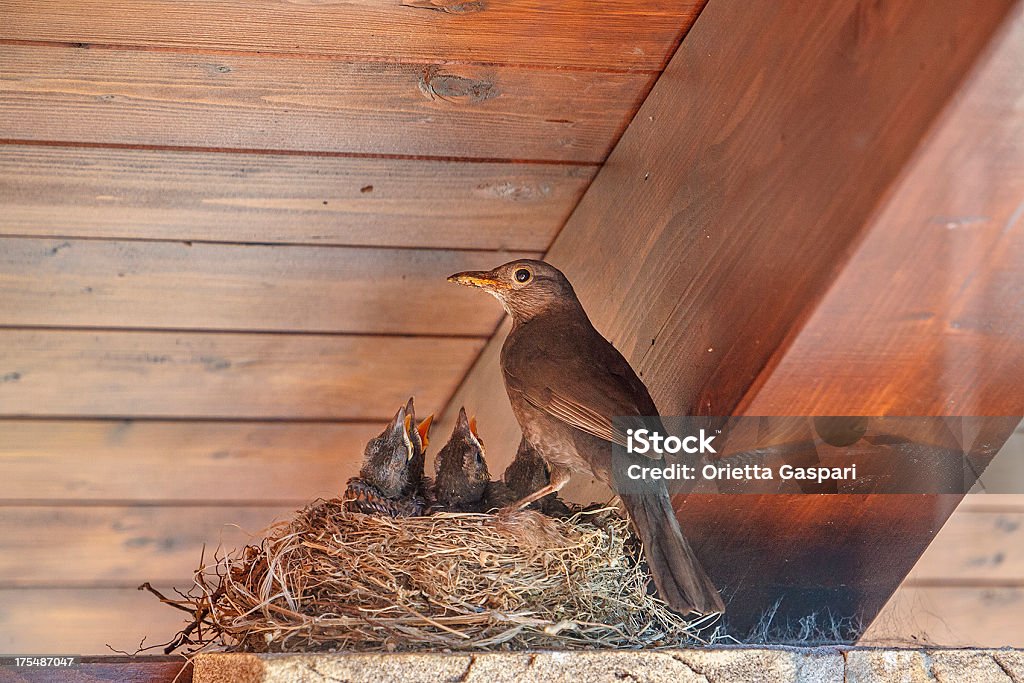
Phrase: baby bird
pixel 418 485
pixel 528 472
pixel 378 490
pixel 460 470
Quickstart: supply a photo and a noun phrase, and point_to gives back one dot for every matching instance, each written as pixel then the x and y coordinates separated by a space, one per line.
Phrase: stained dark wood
pixel 248 102
pixel 159 544
pixel 757 187
pixel 925 319
pixel 623 34
pixel 717 224
pixel 181 285
pixel 163 374
pixel 949 338
pixel 177 462
pixel 108 669
pixel 89 192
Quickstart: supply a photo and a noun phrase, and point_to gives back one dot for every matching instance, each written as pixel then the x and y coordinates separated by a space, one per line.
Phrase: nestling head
pixel 525 287
pixel 460 470
pixel 386 457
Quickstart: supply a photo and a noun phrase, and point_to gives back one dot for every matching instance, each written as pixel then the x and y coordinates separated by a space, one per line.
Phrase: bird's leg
pixel 557 478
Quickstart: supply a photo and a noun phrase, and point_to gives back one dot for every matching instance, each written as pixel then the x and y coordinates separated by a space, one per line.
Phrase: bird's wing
pixel 584 390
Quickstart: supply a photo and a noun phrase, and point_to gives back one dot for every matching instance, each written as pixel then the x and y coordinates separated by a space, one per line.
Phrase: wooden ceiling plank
pixel 245 102
pixel 204 196
pixel 240 376
pixel 200 286
pixel 139 461
pixel 950 616
pixel 84 621
pixel 619 34
pixel 716 225
pixel 159 544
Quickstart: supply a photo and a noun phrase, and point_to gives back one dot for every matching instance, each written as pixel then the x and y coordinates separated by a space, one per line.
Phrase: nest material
pixel 337 580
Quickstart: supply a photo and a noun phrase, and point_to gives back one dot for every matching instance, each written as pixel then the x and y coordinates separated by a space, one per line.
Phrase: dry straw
pixel 337 580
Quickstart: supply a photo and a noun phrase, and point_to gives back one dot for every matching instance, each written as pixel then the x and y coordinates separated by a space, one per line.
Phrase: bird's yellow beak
pixel 475 278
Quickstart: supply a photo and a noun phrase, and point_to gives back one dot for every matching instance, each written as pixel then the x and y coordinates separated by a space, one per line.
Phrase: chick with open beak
pixel 418 485
pixel 460 470
pixel 380 488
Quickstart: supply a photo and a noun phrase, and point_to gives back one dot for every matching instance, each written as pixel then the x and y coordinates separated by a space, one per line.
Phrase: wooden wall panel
pixel 214 286
pixel 622 34
pixel 951 616
pixel 247 102
pixel 158 374
pixel 184 462
pixel 323 200
pixel 84 620
pixel 977 547
pixel 140 543
pixel 367 149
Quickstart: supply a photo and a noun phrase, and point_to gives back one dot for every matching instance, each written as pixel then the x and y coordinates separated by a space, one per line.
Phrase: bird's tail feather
pixel 678 575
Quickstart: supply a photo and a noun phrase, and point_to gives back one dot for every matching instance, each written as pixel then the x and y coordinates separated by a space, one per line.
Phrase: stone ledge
pixel 703 665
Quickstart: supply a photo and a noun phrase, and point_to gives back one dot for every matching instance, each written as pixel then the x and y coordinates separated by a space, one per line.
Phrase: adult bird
pixel 565 383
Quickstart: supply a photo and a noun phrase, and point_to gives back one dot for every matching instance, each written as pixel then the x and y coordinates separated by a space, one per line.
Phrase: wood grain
pixel 157 374
pixel 950 617
pixel 975 546
pixel 105 668
pixel 168 462
pixel 718 222
pixel 89 192
pixel 121 546
pixel 744 203
pixel 716 256
pixel 240 287
pixel 246 102
pixel 895 337
pixel 623 34
pixel 83 620
pixel 925 319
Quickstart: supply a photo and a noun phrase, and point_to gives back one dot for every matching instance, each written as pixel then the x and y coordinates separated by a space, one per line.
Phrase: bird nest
pixel 331 579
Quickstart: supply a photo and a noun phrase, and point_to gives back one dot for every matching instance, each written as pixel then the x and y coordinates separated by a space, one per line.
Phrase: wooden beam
pixel 718 223
pixel 237 376
pixel 202 196
pixel 179 285
pixel 620 34
pixel 304 104
pixel 926 319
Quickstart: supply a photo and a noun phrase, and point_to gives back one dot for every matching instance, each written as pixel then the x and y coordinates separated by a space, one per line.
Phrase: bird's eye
pixel 523 275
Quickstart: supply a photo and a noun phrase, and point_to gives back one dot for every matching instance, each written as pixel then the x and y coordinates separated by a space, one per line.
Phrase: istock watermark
pixel 816 454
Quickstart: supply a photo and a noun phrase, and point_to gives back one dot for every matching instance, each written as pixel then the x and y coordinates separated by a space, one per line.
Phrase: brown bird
pixel 460 470
pixel 384 476
pixel 528 472
pixel 418 485
pixel 565 383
